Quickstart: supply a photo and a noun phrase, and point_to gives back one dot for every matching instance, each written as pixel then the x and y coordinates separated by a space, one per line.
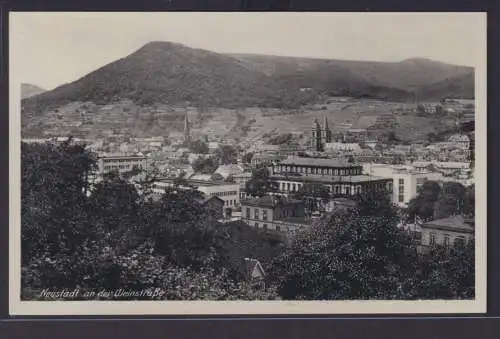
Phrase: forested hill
pixel 460 86
pixel 172 73
pixel 164 72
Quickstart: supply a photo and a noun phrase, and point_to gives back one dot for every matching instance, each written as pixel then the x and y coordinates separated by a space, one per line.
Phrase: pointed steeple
pixel 327 131
pixel 187 133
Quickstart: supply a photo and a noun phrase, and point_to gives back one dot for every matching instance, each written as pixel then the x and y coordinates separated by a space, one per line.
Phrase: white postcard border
pixel 18 307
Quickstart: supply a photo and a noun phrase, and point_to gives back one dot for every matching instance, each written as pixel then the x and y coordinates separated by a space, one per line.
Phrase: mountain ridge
pixel 415 72
pixel 173 73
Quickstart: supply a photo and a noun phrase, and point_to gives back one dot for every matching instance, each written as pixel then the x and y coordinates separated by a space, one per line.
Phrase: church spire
pixel 327 131
pixel 187 133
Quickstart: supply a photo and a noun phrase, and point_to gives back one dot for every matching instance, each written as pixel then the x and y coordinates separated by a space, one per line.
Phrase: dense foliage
pixel 226 155
pixel 435 201
pixel 198 147
pixel 281 139
pixel 261 183
pixel 361 254
pixel 116 237
pixel 205 165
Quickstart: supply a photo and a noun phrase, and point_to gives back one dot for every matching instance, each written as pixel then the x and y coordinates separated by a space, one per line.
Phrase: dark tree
pixel 450 200
pixel 227 155
pixel 446 273
pixel 346 257
pixel 205 165
pixel 198 146
pixel 247 158
pixel 260 184
pixel 281 139
pixel 423 204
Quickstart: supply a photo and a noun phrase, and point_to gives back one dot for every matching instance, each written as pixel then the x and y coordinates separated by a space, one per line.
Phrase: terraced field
pixel 246 125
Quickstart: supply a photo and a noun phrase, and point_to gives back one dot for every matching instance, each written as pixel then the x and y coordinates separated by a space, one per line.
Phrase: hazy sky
pixel 50 49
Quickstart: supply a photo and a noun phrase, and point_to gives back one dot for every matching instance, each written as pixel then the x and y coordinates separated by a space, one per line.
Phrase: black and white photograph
pixel 247 163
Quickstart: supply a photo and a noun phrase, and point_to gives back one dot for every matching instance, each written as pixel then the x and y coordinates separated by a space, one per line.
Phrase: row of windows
pixel 291 187
pixel 256 213
pixel 316 170
pixel 401 190
pixel 123 160
pixel 459 240
pixel 285 212
pixel 230 202
pixel 112 167
pixel 223 194
pixel 420 181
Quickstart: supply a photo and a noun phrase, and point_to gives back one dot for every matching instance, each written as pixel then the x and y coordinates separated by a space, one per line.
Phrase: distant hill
pixel 174 74
pixel 29 90
pixel 461 86
pixel 164 72
pixel 408 74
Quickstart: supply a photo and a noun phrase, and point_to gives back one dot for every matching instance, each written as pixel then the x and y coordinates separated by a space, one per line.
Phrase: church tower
pixel 187 132
pixel 327 133
pixel 316 141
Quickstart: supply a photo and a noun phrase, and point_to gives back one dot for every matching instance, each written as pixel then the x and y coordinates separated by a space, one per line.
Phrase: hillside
pixel 149 91
pixel 461 86
pixel 171 73
pixel 406 75
pixel 163 72
pixel 29 90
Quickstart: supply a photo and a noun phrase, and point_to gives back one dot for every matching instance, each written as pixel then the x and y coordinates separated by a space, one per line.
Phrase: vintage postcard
pixel 247 163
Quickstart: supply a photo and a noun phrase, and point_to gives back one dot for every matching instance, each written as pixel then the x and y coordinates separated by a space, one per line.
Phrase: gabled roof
pixel 206 198
pixel 250 269
pixel 455 223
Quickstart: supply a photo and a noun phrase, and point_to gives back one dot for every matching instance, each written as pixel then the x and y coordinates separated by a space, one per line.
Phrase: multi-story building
pixel 238 173
pixel 405 180
pixel 406 185
pixel 460 141
pixel 120 162
pixel 447 168
pixel 447 232
pixel 274 214
pixel 339 176
pixel 263 159
pixel 228 192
